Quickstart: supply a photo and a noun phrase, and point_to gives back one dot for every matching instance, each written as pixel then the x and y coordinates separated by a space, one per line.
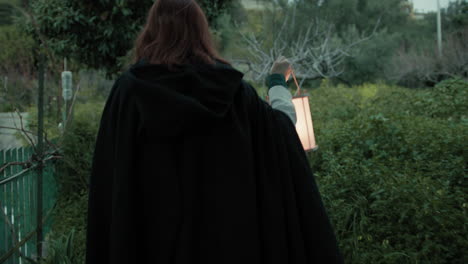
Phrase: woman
pixel 191 166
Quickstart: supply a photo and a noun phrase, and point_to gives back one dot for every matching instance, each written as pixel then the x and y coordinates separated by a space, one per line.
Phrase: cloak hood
pixel 186 95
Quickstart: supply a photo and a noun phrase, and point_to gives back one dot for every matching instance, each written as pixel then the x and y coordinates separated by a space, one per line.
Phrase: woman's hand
pixel 282 66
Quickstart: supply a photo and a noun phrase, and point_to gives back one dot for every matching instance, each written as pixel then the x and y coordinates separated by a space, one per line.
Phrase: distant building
pixel 408 7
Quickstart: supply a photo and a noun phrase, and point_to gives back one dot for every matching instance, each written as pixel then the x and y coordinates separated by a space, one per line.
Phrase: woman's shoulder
pixel 123 86
pixel 248 89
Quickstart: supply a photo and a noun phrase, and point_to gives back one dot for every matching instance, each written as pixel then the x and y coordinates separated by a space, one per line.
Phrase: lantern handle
pixel 298 92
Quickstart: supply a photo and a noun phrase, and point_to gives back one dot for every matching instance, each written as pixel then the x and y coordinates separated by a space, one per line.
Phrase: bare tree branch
pixel 26 164
pixel 315 52
pixel 24 133
pixel 416 67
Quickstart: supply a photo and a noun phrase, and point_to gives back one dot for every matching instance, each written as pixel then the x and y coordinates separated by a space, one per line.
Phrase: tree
pixel 456 16
pixel 350 21
pixel 98 33
pixel 423 67
pixel 308 34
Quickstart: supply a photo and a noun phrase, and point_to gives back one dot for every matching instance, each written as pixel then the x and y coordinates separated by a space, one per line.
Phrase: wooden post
pixel 40 151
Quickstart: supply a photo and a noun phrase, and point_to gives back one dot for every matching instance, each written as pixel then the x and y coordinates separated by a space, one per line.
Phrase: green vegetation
pixel 391 128
pixel 392 170
pixel 99 34
pixel 61 250
pixel 16 63
pixel 77 146
pixel 381 40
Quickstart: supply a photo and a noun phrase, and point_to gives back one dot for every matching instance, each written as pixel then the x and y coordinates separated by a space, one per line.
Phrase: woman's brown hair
pixel 176 32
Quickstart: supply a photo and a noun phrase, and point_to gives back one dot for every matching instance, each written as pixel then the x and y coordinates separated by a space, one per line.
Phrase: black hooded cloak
pixel 191 166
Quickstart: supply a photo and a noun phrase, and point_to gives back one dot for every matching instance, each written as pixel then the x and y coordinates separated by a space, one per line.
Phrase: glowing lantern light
pixel 304 125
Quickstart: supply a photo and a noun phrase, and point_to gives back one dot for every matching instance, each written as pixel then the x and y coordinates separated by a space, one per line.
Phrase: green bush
pixel 391 167
pixel 77 146
pixel 71 215
pixel 60 250
pixel 368 62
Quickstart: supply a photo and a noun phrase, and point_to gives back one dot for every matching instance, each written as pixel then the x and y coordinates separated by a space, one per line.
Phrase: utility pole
pixel 439 29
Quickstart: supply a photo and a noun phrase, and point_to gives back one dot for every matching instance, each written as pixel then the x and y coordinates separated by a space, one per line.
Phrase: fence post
pixel 40 150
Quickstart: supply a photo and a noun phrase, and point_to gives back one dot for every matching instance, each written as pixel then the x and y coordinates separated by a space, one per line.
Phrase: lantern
pixel 304 125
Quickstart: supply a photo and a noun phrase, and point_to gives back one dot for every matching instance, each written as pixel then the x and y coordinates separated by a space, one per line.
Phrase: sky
pixel 429 5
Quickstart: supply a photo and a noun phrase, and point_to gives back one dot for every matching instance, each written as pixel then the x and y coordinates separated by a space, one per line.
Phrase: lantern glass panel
pixel 304 125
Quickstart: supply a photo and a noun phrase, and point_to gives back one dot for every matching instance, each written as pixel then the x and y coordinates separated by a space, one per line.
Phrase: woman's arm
pixel 280 97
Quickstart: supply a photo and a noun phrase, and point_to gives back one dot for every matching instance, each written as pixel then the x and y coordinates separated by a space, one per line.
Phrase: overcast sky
pixel 429 5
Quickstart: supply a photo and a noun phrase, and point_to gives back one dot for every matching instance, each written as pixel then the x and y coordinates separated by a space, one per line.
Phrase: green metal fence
pixel 19 203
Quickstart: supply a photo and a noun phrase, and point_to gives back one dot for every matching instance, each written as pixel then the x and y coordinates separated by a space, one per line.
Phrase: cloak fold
pixel 193 167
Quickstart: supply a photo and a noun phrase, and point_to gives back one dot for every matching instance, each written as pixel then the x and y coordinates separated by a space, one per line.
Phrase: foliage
pixel 447 100
pixel 214 8
pixel 17 54
pixel 16 69
pixel 392 161
pixel 98 33
pixel 224 33
pixel 71 215
pixel 16 92
pixel 455 16
pixel 351 42
pixel 76 144
pixel 78 148
pixel 316 48
pixel 367 63
pixel 401 51
pixel 361 13
pixel 91 89
pixel 391 167
pixel 95 33
pixel 59 251
pixel 424 66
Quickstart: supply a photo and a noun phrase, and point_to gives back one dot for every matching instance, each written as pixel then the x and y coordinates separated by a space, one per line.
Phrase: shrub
pixel 78 148
pixel 72 215
pixel 59 251
pixel 391 167
pixel 424 66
